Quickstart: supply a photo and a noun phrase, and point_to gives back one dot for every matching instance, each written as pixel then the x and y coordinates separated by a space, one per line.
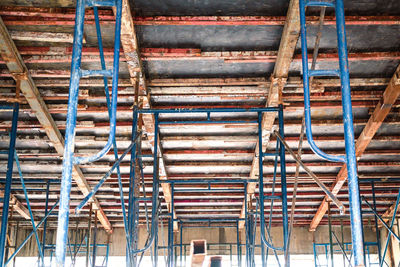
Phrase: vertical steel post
pixel 330 234
pixel 9 234
pixel 155 247
pixel 133 204
pixel 285 219
pixel 69 160
pixel 238 244
pixel 171 231
pixel 262 252
pixel 15 241
pixel 181 244
pixel 45 222
pixel 351 160
pixel 246 224
pixel 342 232
pixel 66 180
pixel 7 187
pixel 378 238
pixel 261 184
pixel 89 236
pixel 94 241
pixel 155 185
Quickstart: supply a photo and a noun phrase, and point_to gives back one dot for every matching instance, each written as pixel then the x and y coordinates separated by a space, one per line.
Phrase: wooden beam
pixel 383 108
pixel 15 204
pixel 20 73
pixel 135 67
pixel 279 77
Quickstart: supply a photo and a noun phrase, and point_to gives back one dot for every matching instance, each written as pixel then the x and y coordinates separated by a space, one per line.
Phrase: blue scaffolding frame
pixel 343 73
pixel 131 224
pixel 7 187
pixel 69 160
pixel 346 246
pixel 131 219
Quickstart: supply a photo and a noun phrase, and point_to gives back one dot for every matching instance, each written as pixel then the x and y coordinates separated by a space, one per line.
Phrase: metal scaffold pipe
pixel 343 73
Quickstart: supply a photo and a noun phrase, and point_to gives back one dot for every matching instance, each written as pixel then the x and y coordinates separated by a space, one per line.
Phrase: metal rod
pixel 89 235
pixel 45 222
pixel 29 208
pixel 261 188
pixel 389 228
pixel 342 234
pixel 306 85
pixel 334 199
pixel 94 253
pixel 114 88
pixel 330 234
pixel 206 110
pixel 66 179
pixel 68 159
pixel 285 219
pixel 351 160
pixel 378 238
pixel 104 178
pixel 7 188
pixel 341 248
pixel 238 244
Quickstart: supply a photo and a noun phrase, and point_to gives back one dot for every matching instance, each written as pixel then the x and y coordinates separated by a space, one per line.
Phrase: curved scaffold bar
pixel 114 88
pixel 69 160
pixel 262 229
pixel 350 158
pixel 261 184
pixel 155 194
pixel 306 84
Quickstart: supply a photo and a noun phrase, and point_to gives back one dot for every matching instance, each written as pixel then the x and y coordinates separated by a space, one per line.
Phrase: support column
pixel 7 187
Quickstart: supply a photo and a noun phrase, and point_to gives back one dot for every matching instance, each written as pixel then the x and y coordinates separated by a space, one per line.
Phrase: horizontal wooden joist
pixel 199 86
pixel 66 16
pixel 49 55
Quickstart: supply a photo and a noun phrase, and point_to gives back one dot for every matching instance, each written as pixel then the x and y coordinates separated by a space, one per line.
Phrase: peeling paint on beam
pixel 132 54
pixel 63 54
pixel 279 77
pixel 47 16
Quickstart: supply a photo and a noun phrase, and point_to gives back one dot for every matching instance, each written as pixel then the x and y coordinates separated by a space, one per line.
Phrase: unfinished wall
pixel 301 243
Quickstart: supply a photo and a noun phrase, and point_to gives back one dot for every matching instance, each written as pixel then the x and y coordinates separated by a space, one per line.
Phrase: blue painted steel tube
pixel 306 84
pixel 66 178
pixel 261 187
pixel 7 188
pixel 320 3
pixel 378 238
pixel 181 245
pixel 115 72
pixel 69 160
pixel 238 244
pixel 171 230
pixel 208 181
pixel 208 110
pixel 154 225
pixel 94 251
pixel 105 177
pixel 285 219
pixel 46 209
pixel 351 160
